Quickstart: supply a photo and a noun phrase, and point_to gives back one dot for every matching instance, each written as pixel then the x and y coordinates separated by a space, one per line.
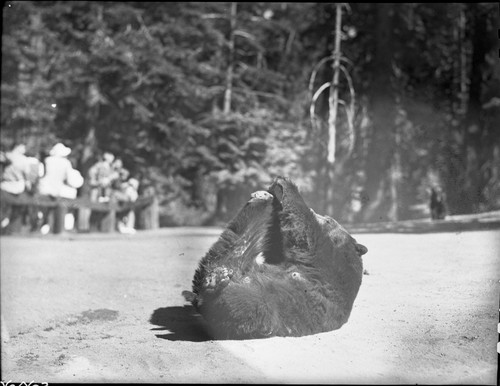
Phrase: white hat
pixel 59 150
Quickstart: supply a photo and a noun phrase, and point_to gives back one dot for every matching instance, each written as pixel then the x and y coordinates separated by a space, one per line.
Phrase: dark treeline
pixel 206 102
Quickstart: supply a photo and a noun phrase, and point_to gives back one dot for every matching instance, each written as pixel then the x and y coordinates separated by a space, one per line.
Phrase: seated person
pixel 14 177
pixel 60 179
pixel 20 174
pixel 101 176
pixel 128 193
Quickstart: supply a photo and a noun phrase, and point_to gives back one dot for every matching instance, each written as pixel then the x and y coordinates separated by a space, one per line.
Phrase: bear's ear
pixel 189 296
pixel 361 249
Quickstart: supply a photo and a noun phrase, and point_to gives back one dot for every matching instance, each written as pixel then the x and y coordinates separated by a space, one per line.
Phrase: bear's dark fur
pixel 278 269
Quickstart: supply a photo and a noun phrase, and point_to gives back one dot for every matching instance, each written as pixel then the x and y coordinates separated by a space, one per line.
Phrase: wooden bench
pixel 147 209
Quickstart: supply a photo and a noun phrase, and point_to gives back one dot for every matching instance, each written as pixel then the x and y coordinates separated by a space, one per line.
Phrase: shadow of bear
pixel 180 323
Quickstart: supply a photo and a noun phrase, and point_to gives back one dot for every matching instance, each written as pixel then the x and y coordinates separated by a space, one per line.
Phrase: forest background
pixel 207 102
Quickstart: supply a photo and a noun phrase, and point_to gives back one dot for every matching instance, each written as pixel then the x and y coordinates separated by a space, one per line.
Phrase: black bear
pixel 278 269
pixel 438 203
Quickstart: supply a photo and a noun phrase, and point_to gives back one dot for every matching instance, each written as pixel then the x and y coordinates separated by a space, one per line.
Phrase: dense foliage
pixel 206 102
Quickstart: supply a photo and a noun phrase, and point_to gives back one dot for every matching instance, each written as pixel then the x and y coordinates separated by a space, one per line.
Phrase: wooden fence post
pixel 108 222
pixel 83 221
pixel 155 213
pixel 150 215
pixel 16 219
pixel 59 215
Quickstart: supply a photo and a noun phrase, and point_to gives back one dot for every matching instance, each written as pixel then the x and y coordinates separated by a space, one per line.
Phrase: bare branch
pixel 347 60
pixel 319 64
pixel 251 38
pixel 320 90
pixel 312 107
pixel 315 71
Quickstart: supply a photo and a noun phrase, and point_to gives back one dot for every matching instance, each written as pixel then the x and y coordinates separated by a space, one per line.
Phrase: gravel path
pixel 108 308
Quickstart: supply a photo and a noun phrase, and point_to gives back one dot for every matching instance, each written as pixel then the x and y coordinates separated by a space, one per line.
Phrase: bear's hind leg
pixel 299 227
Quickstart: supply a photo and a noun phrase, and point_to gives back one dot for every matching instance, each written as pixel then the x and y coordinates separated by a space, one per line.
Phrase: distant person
pixel 119 175
pixel 437 203
pixel 129 192
pixel 101 176
pixel 14 180
pixel 15 175
pixel 60 179
pixel 36 170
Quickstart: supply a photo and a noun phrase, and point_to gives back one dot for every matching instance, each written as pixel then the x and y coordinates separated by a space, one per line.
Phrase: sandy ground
pixel 108 308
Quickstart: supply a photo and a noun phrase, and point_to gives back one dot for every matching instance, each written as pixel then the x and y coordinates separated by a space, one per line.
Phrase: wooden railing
pixel 104 213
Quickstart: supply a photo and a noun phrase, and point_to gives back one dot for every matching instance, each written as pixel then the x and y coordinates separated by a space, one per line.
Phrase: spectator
pixel 119 169
pixel 15 175
pixel 128 193
pixel 36 170
pixel 14 180
pixel 60 179
pixel 101 176
pixel 119 176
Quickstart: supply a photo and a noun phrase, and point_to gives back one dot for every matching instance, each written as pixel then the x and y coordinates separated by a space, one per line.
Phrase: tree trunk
pixel 87 157
pixel 230 65
pixel 394 179
pixel 473 124
pixel 333 104
pixel 455 157
pixel 382 143
pixel 333 101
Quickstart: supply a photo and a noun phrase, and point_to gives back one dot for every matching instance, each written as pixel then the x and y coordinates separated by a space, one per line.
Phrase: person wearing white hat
pixel 60 179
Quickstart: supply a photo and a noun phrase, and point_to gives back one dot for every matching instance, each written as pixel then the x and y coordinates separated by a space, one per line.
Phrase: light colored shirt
pixel 101 174
pixel 18 168
pixel 57 170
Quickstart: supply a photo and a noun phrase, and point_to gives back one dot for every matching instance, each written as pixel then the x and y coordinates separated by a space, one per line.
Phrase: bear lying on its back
pixel 278 269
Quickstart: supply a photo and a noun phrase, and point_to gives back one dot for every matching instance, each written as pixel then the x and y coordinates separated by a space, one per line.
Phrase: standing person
pixel 101 175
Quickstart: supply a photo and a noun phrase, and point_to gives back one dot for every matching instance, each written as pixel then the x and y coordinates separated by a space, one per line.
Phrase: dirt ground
pixel 108 308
